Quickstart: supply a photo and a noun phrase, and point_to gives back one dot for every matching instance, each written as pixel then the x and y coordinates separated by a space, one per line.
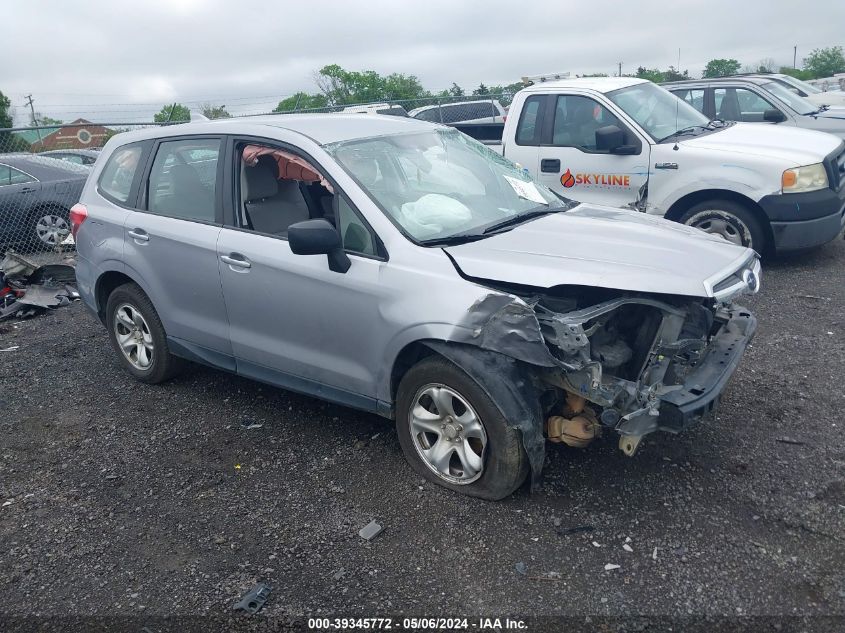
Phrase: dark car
pixel 36 194
pixel 78 156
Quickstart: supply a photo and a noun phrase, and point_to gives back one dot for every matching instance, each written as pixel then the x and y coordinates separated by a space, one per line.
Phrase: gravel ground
pixel 123 499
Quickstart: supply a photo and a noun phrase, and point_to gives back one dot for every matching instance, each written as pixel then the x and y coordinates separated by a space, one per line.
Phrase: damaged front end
pixel 648 364
pixel 628 362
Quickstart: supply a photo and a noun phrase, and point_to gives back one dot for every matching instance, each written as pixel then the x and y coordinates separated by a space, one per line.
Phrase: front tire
pixel 453 434
pixel 733 221
pixel 138 337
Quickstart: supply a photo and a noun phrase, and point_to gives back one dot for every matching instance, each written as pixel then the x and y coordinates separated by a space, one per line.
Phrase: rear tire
pixel 732 220
pixel 466 427
pixel 138 337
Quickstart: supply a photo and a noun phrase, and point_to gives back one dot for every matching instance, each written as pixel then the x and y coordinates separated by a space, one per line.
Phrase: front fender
pixel 732 178
pixel 514 389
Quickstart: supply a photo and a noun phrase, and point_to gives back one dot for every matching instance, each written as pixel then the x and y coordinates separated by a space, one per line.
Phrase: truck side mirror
pixel 611 139
pixel 773 115
pixel 319 237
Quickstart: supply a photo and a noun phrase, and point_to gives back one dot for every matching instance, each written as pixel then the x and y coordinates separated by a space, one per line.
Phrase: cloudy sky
pixel 119 60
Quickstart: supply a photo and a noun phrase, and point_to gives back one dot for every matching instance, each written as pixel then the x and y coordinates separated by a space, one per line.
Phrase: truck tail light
pixel 78 215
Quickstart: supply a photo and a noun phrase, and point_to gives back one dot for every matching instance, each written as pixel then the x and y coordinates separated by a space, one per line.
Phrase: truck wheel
pixel 138 337
pixel 729 219
pixel 454 435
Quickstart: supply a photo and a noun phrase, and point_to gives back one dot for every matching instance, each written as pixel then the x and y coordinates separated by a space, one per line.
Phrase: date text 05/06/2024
pixel 417 624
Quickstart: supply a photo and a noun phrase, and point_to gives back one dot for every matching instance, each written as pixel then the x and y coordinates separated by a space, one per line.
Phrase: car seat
pixel 188 196
pixel 272 205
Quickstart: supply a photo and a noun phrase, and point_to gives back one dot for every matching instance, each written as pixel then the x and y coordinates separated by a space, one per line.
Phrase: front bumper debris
pixel 700 393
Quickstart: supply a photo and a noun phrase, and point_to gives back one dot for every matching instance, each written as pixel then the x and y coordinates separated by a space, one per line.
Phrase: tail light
pixel 78 215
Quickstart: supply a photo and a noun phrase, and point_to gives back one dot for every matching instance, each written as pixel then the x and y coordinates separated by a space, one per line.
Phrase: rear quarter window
pixel 119 173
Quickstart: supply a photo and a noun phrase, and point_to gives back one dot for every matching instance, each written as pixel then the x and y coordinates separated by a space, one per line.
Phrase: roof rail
pixel 537 79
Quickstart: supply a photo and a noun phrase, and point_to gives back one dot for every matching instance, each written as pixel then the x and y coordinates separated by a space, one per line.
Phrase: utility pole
pixel 794 56
pixel 620 69
pixel 34 120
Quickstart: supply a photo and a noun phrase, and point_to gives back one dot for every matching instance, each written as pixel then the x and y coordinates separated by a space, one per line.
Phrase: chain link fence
pixel 42 173
pixel 461 109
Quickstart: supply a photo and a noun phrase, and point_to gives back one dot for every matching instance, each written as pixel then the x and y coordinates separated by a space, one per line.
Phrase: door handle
pixel 28 190
pixel 139 235
pixel 550 165
pixel 235 259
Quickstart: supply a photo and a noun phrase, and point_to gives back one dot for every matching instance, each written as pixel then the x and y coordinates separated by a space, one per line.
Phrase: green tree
pixel 455 90
pixel 173 112
pixel 301 101
pixel 721 68
pixel 651 74
pixel 481 90
pixel 8 141
pixel 804 75
pixel 673 74
pixel 825 62
pixel 215 112
pixel 5 115
pixel 505 93
pixel 40 119
pixel 343 87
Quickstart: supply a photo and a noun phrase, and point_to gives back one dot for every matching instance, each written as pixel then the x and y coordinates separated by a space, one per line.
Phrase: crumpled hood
pixel 604 247
pixel 792 146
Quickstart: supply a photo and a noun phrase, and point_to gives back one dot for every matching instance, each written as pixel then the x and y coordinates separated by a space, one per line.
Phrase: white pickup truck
pixel 626 142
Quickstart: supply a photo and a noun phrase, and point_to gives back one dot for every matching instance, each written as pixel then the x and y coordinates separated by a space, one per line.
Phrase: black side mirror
pixel 319 237
pixel 773 115
pixel 611 139
pixel 608 138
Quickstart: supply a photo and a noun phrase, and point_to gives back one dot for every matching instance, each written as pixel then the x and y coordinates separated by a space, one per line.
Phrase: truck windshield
pixel 660 113
pixel 795 102
pixel 440 183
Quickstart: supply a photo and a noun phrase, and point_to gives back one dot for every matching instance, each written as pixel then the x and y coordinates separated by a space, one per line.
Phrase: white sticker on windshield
pixel 527 190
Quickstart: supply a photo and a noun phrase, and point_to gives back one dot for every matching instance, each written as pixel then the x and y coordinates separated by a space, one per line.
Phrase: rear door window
pixel 183 179
pixel 12 176
pixel 693 96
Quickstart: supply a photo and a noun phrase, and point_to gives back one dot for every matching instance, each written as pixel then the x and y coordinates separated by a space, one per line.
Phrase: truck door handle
pixel 139 235
pixel 236 260
pixel 550 165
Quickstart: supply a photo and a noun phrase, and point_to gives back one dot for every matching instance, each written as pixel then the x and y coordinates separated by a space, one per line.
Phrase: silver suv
pixel 399 267
pixel 757 99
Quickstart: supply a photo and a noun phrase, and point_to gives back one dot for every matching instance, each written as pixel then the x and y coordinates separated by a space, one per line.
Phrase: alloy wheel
pixel 133 336
pixel 52 229
pixel 448 434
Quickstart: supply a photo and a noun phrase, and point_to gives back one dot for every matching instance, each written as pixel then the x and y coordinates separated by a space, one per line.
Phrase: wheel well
pixel 410 355
pixel 680 207
pixel 105 286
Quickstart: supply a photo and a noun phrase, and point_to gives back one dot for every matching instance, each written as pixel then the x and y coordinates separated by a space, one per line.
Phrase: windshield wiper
pixel 454 240
pixel 471 236
pixel 523 217
pixel 682 132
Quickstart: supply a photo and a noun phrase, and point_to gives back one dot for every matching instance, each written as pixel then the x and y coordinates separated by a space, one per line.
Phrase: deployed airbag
pixel 435 213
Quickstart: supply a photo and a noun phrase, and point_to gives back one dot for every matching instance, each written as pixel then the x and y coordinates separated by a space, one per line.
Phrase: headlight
pixel 802 179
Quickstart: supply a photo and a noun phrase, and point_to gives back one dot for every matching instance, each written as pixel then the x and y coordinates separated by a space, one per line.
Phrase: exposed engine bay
pixel 632 363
